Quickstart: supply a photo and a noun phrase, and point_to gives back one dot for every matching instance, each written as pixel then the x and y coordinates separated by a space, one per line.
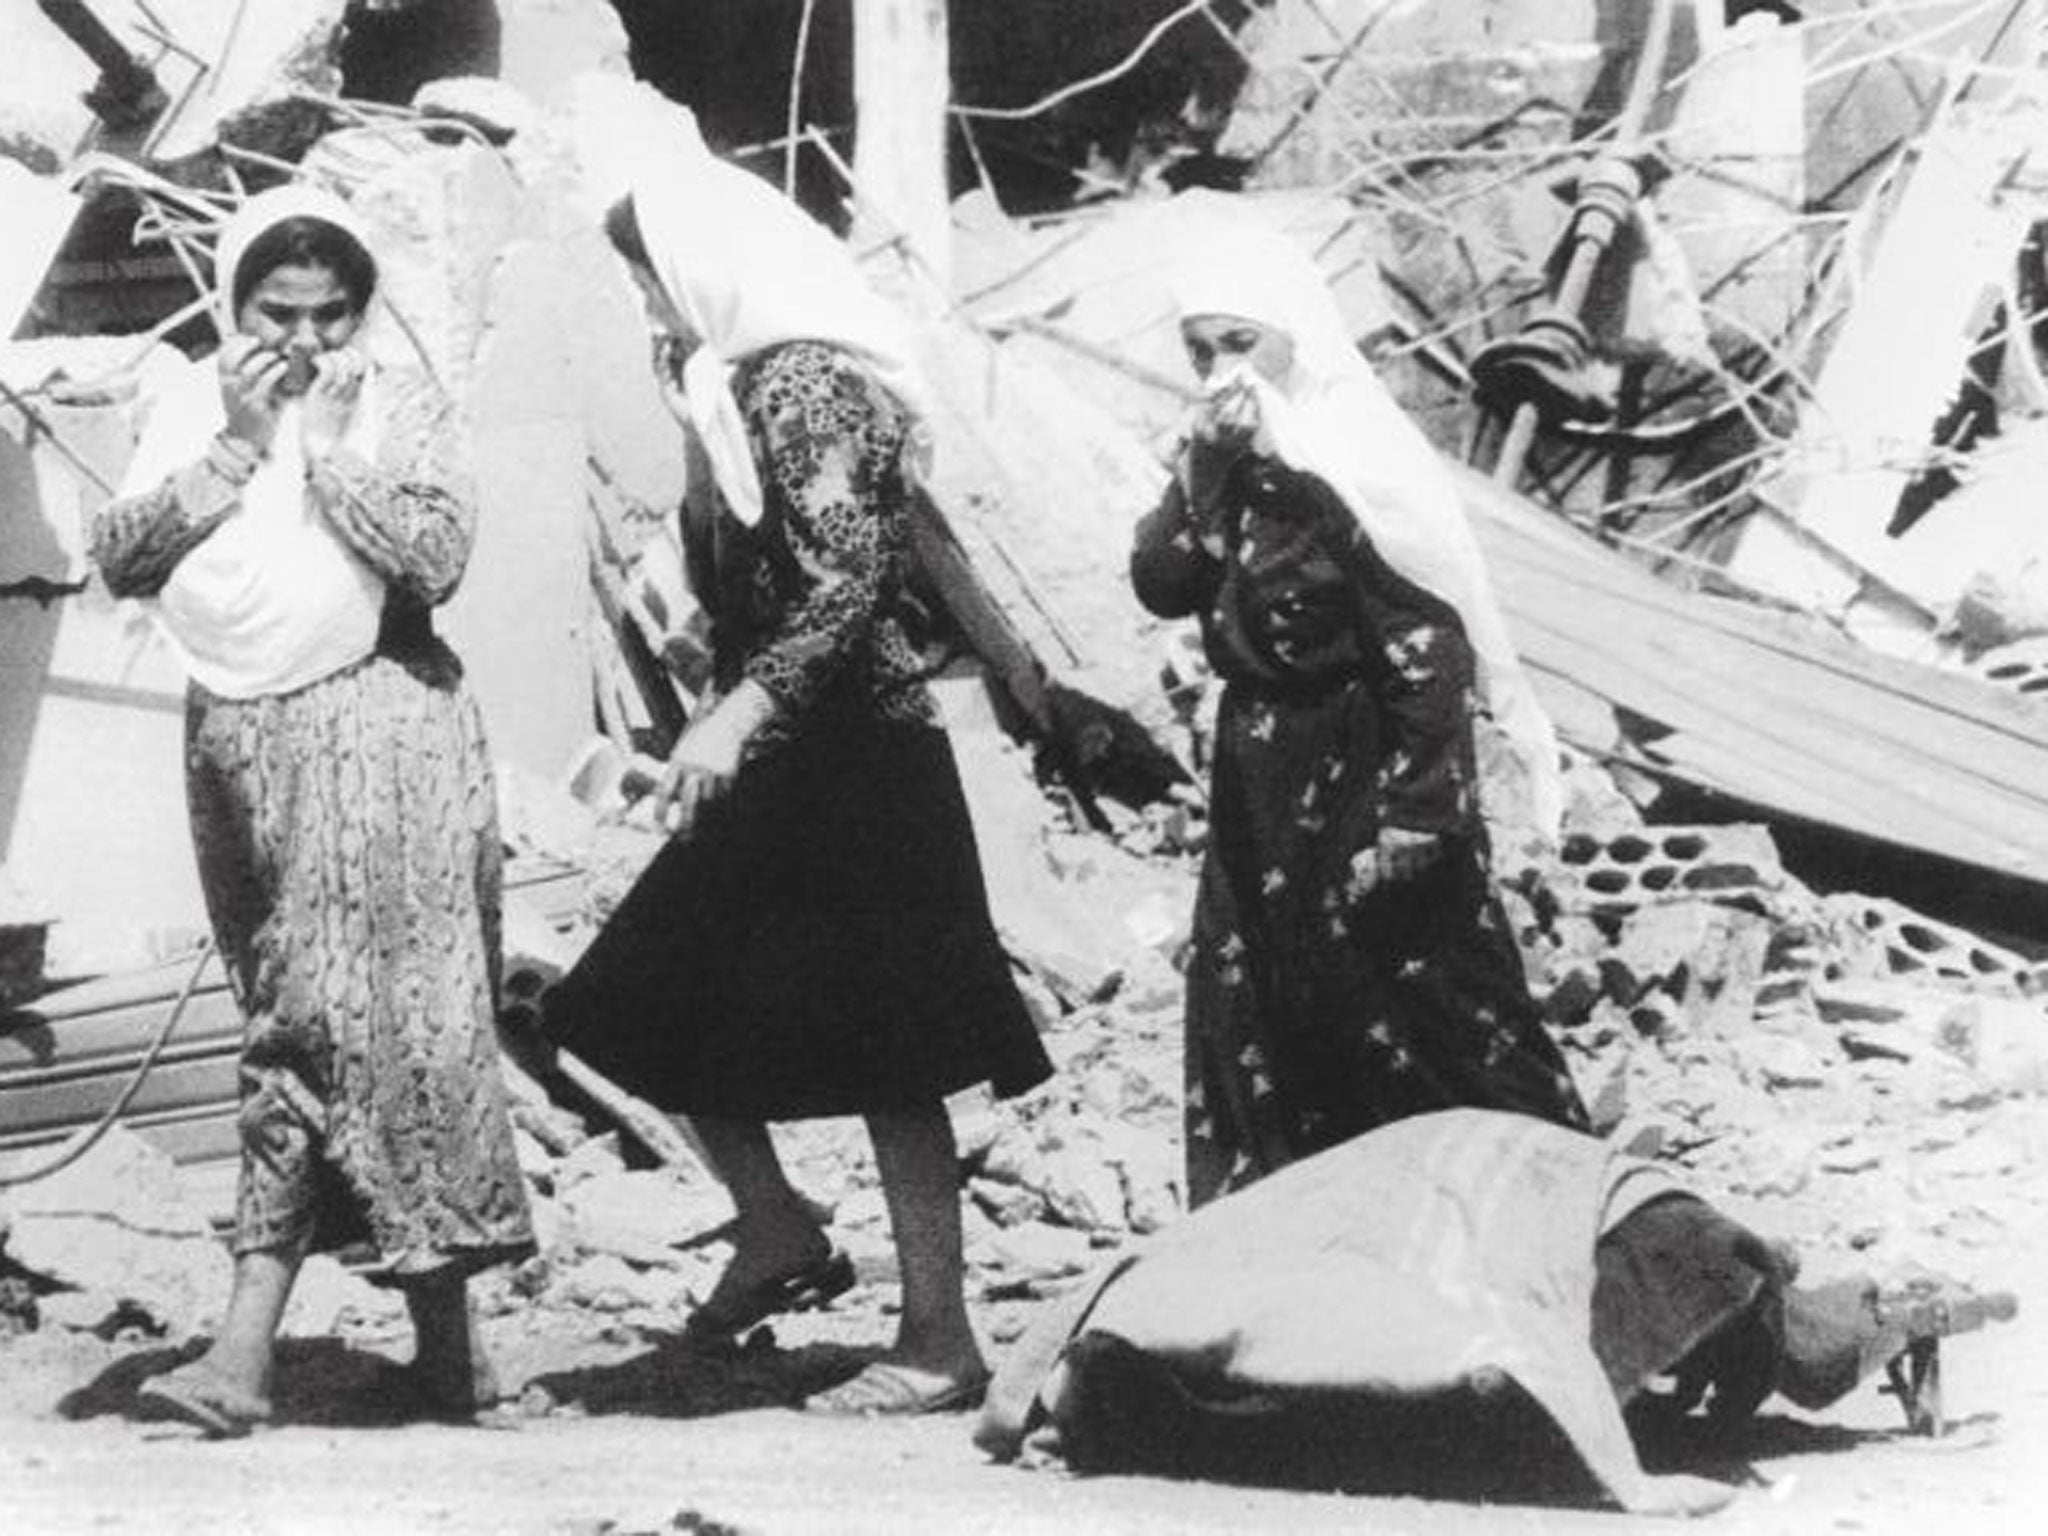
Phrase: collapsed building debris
pixel 1788 1046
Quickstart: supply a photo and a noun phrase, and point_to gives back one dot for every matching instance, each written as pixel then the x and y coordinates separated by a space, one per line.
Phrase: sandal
pixel 198 1395
pixel 882 1389
pixel 803 1289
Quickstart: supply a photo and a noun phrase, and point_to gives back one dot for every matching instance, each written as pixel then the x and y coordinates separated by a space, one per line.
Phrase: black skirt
pixel 820 945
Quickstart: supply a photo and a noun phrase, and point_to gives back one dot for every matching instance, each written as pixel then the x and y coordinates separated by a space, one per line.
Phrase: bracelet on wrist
pixel 233 459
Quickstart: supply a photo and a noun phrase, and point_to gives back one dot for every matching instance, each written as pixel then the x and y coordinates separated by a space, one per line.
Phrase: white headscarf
pixel 1336 420
pixel 273 599
pixel 750 270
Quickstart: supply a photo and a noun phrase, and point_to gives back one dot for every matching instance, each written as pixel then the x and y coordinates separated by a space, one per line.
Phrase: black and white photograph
pixel 1023 767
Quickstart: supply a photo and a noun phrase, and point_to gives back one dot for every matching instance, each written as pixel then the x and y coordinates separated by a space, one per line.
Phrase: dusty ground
pixel 619 1430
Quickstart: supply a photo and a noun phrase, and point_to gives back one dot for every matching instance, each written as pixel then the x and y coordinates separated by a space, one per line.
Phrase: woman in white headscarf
pixel 815 940
pixel 291 515
pixel 1352 965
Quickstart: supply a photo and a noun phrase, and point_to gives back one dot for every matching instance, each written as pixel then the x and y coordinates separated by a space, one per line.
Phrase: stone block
pixel 1709 958
pixel 1851 1154
pixel 608 1283
pixel 599 1157
pixel 644 1217
pixel 1660 864
pixel 2021 665
pixel 1594 805
pixel 1776 1161
pixel 1007 1205
pixel 325 1297
pixel 1778 1061
pixel 1984 1155
pixel 1080 1186
pixel 1038 1251
pixel 100 1312
pixel 119 1223
pixel 1572 993
pixel 1607 1095
pixel 2004 1040
pixel 1878 939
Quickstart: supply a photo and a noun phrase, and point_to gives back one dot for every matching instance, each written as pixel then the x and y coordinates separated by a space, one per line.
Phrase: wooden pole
pixel 902 89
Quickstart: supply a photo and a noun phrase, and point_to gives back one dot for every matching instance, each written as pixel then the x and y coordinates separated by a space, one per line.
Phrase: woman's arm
pixel 826 452
pixel 410 515
pixel 137 541
pixel 1172 572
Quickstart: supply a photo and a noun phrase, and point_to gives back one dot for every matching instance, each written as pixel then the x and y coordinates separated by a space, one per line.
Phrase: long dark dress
pixel 1314 1015
pixel 820 944
pixel 347 840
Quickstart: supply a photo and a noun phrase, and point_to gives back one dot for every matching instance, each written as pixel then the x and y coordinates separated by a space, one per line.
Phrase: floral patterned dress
pixel 1315 1013
pixel 348 849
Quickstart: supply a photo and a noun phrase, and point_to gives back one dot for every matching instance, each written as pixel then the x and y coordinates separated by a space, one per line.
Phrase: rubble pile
pixel 1844 1071
pixel 1858 1076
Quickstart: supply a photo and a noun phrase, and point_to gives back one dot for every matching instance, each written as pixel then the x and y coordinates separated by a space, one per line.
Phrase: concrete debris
pixel 608 1283
pixel 327 1298
pixel 117 1230
pixel 642 1217
pixel 1791 1047
pixel 1877 938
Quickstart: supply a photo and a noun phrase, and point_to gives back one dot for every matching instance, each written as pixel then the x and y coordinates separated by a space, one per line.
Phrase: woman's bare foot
pixel 201 1394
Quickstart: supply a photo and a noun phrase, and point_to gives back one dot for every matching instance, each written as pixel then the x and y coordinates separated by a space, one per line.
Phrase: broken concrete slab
pixel 117 1223
pixel 1915 283
pixel 83 681
pixel 1875 938
pixel 2003 1040
pixel 328 1298
pixel 644 1217
pixel 39 214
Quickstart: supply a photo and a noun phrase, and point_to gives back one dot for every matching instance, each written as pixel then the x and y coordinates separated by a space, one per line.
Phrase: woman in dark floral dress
pixel 815 940
pixel 1351 963
pixel 295 510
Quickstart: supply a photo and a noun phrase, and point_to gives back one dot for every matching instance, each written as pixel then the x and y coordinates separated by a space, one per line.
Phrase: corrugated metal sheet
pixel 1767 708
